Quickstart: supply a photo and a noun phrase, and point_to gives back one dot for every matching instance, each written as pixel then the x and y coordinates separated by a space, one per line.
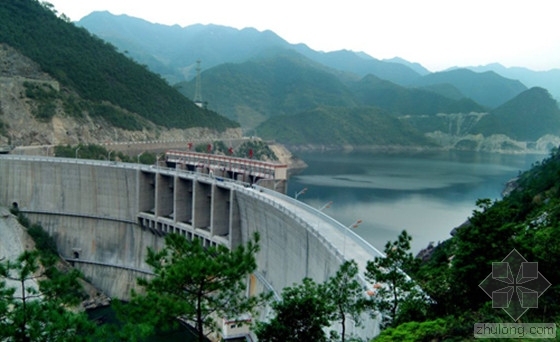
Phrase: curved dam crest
pixel 104 215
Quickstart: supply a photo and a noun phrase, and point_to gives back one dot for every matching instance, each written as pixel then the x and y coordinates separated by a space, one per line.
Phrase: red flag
pixel 209 148
pixel 251 153
pixel 230 150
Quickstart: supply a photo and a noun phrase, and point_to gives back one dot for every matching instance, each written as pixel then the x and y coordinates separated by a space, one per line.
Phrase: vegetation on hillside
pixel 337 126
pixel 372 91
pixel 96 152
pixel 528 116
pixel 487 88
pixel 527 220
pixel 40 310
pixel 282 84
pixel 95 70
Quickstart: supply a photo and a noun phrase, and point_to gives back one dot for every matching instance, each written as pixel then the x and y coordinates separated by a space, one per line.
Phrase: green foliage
pixel 528 116
pixel 44 243
pixel 282 84
pixel 194 283
pixel 393 98
pixel 44 95
pixel 336 126
pixel 259 150
pixel 415 332
pixel 346 296
pixel 95 70
pixel 396 291
pixel 38 312
pixel 97 152
pixel 254 149
pixel 528 219
pixel 279 83
pixel 116 117
pixel 3 126
pixel 487 88
pixel 301 315
pixel 307 309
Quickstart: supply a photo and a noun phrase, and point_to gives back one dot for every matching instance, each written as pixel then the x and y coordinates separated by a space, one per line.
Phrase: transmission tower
pixel 198 90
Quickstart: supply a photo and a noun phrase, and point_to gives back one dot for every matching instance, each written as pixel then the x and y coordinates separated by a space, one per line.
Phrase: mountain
pixel 338 126
pixel 284 82
pixel 275 84
pixel 527 117
pixel 81 77
pixel 545 79
pixel 173 51
pixel 417 67
pixel 362 64
pixel 373 91
pixel 487 88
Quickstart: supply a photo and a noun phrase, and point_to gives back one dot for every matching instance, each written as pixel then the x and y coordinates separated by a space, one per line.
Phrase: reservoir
pixel 427 194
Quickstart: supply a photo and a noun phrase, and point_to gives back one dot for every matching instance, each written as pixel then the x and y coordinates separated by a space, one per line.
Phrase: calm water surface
pixel 428 194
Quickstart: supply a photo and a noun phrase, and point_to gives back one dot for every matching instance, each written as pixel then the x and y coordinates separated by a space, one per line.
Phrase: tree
pixel 393 285
pixel 346 295
pixel 196 284
pixel 301 315
pixel 38 312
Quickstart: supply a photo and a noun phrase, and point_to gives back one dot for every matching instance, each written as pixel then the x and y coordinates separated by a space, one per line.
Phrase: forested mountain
pixel 251 77
pixel 487 88
pixel 528 116
pixel 279 83
pixel 372 91
pixel 109 84
pixel 287 83
pixel 338 126
pixel 455 274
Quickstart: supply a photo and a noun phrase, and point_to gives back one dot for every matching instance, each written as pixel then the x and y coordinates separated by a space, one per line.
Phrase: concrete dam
pixel 104 215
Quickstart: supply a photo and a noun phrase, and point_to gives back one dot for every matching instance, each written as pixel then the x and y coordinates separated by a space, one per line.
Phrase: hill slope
pixel 337 126
pixel 279 83
pixel 283 82
pixel 487 88
pixel 95 70
pixel 528 116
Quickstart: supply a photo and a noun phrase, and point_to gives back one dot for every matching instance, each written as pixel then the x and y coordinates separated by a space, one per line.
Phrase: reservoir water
pixel 427 194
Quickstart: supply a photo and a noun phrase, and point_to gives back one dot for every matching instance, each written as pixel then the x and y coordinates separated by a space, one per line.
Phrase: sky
pixel 438 34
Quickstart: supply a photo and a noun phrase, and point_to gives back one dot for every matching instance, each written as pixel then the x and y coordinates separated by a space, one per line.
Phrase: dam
pixel 104 215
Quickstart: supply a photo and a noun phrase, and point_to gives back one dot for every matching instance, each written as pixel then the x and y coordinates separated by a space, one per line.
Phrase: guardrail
pixel 301 205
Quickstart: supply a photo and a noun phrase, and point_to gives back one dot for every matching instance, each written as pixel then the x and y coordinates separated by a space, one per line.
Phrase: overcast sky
pixel 435 33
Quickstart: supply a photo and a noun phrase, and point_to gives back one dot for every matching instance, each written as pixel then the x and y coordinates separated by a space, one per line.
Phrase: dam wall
pixel 104 215
pixel 90 210
pixel 291 249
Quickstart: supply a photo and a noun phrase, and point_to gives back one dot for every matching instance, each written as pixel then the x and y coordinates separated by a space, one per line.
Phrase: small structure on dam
pixel 266 174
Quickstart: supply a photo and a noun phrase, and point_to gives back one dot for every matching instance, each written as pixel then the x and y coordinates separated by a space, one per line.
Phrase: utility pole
pixel 198 90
